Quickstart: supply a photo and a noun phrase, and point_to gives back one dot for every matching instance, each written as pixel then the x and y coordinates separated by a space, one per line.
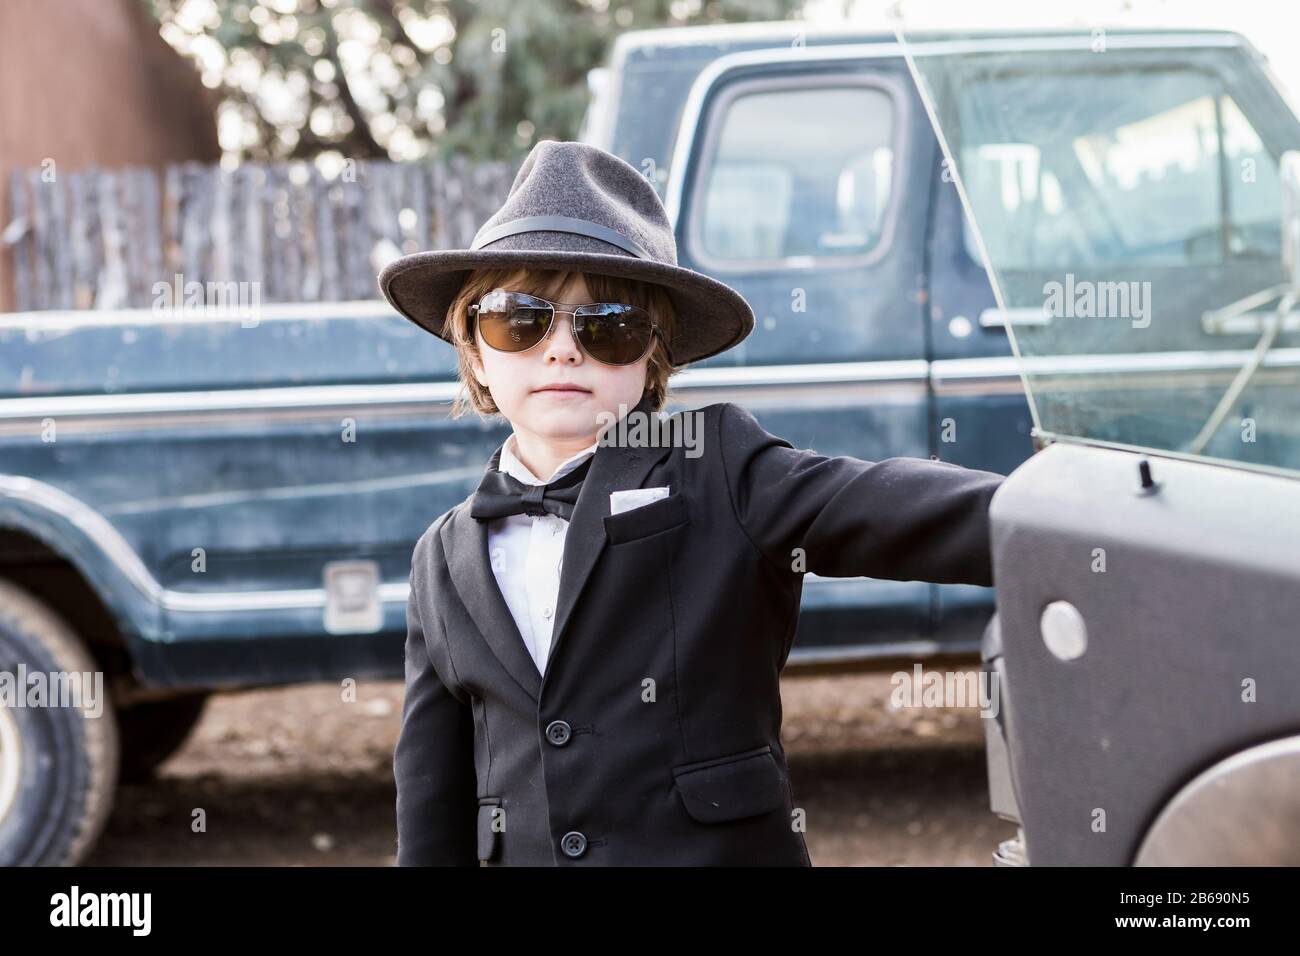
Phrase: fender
pixel 80 535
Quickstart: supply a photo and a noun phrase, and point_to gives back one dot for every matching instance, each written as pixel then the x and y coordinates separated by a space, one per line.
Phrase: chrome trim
pixel 900 370
pixel 689 124
pixel 393 592
pixel 999 318
pixel 120 553
pixel 1092 364
pixel 414 397
pixel 945 375
pixel 824 395
pixel 1002 373
pixel 1249 323
pixel 274 397
pixel 55 322
pixel 853 653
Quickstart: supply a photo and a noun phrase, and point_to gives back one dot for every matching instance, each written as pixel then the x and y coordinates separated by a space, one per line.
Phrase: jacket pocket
pixel 731 787
pixel 490 812
pixel 648 519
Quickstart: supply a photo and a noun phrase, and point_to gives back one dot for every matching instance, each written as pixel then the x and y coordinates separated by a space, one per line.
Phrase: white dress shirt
pixel 526 554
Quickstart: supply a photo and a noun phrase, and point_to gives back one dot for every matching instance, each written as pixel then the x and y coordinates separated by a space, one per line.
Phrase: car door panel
pixel 1144 634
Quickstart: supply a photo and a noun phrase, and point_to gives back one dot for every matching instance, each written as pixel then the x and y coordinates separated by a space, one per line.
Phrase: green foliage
pixel 405 78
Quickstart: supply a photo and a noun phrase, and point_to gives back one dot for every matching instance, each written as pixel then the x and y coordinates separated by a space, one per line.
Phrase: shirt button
pixel 546 612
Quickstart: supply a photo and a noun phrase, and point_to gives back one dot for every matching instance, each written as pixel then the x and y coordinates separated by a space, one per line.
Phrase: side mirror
pixel 1289 173
pixel 597 80
pixel 595 124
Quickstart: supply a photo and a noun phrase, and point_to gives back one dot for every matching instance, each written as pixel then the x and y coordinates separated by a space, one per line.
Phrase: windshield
pixel 1124 192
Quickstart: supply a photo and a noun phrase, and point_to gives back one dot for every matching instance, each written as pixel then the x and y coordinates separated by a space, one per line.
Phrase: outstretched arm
pixel 903 519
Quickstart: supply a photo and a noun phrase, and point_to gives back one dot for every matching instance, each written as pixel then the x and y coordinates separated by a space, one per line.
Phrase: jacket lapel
pixel 613 468
pixel 465 543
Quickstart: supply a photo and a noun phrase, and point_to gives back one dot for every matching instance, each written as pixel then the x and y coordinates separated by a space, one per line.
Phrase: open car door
pixel 1137 208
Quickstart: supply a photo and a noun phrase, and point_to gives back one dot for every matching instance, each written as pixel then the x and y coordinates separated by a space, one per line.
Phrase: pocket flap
pixel 731 787
pixel 648 519
pixel 488 812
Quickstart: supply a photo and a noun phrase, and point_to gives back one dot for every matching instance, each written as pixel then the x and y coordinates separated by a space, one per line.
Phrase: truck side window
pixel 787 180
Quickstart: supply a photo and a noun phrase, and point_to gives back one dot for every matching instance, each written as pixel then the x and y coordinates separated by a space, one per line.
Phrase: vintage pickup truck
pixel 189 506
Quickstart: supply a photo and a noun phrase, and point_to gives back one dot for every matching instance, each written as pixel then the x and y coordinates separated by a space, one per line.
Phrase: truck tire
pixel 153 731
pixel 58 764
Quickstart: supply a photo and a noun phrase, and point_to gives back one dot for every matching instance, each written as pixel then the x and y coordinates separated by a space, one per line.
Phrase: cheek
pixel 626 381
pixel 501 368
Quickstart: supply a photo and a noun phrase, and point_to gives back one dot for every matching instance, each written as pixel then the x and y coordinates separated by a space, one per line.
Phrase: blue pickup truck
pixel 190 506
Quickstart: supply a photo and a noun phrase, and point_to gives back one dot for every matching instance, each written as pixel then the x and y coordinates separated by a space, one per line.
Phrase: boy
pixel 595 636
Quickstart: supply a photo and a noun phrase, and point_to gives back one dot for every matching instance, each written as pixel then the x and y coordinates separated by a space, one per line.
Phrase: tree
pixel 402 79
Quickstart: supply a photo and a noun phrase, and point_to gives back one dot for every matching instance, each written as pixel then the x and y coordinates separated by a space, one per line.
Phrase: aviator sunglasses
pixel 609 332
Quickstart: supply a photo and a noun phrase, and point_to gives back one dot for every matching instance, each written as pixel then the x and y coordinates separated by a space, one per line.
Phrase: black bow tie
pixel 500 494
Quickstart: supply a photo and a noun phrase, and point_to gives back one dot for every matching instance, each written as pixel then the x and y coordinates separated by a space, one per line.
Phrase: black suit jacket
pixel 654 736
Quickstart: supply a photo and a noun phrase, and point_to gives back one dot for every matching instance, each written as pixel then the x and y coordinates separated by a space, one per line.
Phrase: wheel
pixel 153 731
pixel 58 755
pixel 1243 811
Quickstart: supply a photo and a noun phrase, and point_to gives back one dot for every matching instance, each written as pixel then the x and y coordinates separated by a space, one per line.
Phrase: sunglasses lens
pixel 512 321
pixel 613 333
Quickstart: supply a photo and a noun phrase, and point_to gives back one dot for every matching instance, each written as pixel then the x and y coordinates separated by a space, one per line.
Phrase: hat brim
pixel 711 316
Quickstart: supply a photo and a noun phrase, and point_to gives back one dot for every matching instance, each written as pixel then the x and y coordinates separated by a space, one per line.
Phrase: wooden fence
pixel 101 239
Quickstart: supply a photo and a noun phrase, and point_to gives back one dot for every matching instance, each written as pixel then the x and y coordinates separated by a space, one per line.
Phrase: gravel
pixel 302 776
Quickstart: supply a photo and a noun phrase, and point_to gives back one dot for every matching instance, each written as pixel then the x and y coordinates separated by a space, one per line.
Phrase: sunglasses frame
pixel 573 326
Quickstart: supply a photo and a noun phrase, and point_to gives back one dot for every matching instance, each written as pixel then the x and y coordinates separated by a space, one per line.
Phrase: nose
pixel 560 344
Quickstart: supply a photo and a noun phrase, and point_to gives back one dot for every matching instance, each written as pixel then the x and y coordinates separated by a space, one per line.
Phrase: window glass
pixel 797 173
pixel 1139 175
pixel 1124 195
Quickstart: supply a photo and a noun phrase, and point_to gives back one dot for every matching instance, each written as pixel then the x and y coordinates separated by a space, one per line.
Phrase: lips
pixel 563 388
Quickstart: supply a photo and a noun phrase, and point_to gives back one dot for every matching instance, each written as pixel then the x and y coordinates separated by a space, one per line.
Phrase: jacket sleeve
pixel 433 762
pixel 902 519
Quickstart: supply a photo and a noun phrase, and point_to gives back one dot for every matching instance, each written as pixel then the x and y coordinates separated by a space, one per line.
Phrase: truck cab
pixel 801 167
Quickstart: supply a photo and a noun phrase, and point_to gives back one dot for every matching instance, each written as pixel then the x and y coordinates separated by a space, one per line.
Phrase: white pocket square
pixel 620 501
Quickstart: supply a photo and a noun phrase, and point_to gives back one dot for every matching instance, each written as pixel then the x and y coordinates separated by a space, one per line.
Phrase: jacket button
pixel 558 732
pixel 574 844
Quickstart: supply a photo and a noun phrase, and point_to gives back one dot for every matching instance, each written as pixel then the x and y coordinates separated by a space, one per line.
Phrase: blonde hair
pixel 547 283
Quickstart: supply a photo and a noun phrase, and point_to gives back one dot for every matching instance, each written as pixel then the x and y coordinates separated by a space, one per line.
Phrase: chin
pixel 564 418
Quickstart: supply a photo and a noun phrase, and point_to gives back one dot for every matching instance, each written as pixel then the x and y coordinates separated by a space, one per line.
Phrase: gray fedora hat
pixel 576 206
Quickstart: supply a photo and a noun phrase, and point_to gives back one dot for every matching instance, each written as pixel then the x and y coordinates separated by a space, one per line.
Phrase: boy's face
pixel 522 383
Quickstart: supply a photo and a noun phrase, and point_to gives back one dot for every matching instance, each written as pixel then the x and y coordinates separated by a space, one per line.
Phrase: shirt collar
pixel 512 466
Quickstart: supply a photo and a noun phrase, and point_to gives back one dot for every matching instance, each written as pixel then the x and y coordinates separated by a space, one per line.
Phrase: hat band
pixel 581 227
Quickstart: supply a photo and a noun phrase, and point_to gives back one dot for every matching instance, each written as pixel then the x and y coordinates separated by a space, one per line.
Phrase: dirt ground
pixel 296 777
